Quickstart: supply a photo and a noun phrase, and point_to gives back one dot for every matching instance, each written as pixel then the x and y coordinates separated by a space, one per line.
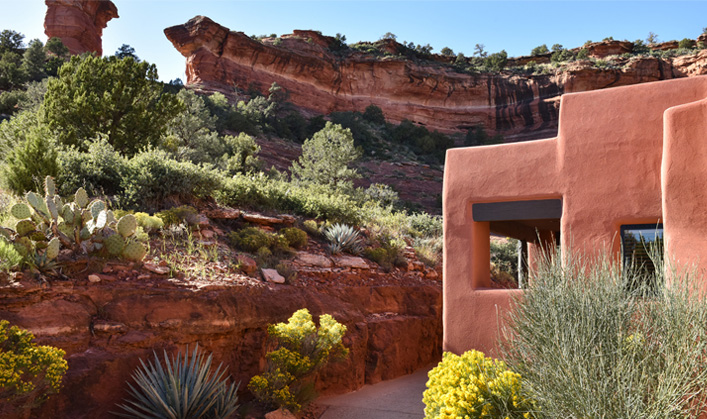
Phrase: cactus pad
pixel 101 219
pixel 96 207
pixel 127 225
pixel 34 200
pixel 51 208
pixel 81 198
pixel 114 244
pixel 49 186
pixel 53 248
pixel 20 211
pixel 25 227
pixel 134 251
pixel 84 234
pixel 37 236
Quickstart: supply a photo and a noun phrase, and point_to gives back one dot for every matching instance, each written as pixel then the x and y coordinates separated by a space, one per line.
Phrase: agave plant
pixel 183 388
pixel 343 238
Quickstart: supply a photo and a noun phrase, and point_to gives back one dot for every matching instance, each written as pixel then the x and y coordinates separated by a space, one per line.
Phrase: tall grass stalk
pixel 591 340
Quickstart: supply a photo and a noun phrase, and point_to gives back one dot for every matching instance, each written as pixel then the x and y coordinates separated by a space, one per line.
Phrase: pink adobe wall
pixel 684 183
pixel 605 165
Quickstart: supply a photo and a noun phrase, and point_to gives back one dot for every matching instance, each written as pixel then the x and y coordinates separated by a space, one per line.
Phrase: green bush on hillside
pixel 153 179
pixel 120 98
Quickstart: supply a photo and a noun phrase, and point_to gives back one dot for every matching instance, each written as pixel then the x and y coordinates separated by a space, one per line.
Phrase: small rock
pixel 223 214
pixel 271 275
pixel 261 219
pixel 144 277
pixel 160 270
pixel 207 234
pixel 102 326
pixel 351 262
pixel 418 266
pixel 94 278
pixel 280 414
pixel 171 323
pixel 202 221
pixel 246 264
pixel 310 259
pixel 107 269
pixel 431 274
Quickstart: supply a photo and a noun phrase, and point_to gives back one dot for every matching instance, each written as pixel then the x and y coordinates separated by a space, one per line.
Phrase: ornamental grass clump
pixel 591 340
pixel 474 386
pixel 302 349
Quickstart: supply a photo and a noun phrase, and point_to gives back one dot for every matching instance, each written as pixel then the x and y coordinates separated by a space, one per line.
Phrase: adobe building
pixel 626 160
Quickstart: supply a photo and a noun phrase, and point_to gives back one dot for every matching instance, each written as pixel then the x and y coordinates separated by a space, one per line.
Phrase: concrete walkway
pixel 400 398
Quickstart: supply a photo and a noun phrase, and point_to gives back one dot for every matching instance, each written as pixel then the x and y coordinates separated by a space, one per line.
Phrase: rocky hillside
pixel 322 75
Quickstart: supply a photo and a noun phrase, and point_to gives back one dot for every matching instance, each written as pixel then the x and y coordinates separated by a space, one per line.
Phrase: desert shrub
pixel 504 256
pixel 240 154
pixel 9 101
pixel 9 257
pixel 374 114
pixel 302 349
pixel 251 239
pixel 540 50
pixel 422 224
pixel 120 98
pixel 184 387
pixel 311 227
pixel 591 340
pixel 295 237
pixel 152 178
pixel 474 386
pixel 429 250
pixel 183 214
pixel 260 192
pixel 343 238
pixel 686 43
pixel 147 222
pixel 99 170
pixel 388 255
pixel 287 270
pixel 30 159
pixel 28 372
pixel 382 194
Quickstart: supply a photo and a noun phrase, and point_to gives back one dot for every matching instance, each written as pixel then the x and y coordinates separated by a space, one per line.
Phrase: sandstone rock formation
pixel 79 23
pixel 519 106
pixel 107 326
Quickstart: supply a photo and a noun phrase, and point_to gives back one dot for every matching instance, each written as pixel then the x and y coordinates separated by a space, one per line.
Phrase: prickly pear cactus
pixel 134 251
pixel 20 211
pixel 127 225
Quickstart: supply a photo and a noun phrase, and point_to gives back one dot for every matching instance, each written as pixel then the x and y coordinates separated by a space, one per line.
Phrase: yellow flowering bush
pixel 28 372
pixel 473 386
pixel 302 349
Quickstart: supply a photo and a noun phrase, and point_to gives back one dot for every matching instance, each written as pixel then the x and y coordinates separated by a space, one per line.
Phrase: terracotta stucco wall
pixel 605 165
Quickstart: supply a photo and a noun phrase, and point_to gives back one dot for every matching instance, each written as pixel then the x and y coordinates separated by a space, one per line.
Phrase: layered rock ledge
pixel 107 326
pixel 430 92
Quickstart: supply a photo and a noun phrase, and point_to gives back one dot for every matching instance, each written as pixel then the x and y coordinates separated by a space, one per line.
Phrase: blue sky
pixel 516 26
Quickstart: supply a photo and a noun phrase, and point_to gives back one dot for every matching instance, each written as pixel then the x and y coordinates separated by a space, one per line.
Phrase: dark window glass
pixel 637 242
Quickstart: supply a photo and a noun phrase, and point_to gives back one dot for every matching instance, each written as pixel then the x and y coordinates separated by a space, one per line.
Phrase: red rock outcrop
pixel 520 107
pixel 107 326
pixel 79 23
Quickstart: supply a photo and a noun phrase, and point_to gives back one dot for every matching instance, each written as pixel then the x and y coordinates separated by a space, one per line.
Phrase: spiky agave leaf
pixel 184 387
pixel 344 238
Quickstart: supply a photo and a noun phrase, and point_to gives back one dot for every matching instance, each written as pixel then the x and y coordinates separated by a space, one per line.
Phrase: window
pixel 638 241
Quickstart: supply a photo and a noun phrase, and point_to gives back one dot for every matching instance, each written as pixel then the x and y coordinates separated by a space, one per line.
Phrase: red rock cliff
pixel 518 106
pixel 79 23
